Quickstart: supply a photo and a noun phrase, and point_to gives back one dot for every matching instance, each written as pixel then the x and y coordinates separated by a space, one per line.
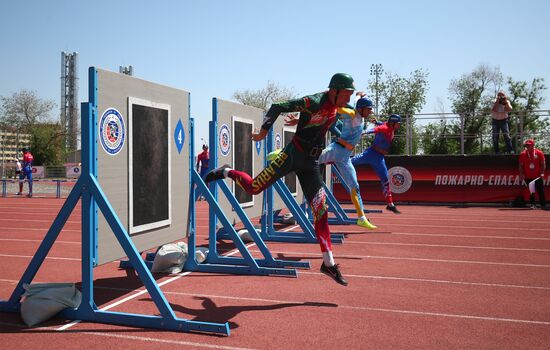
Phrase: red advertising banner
pixel 445 179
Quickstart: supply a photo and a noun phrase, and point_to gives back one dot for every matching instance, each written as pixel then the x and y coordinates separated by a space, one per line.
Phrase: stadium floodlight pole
pixel 3 171
pixel 376 70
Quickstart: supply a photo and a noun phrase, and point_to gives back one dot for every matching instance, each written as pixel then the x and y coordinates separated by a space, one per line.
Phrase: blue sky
pixel 214 48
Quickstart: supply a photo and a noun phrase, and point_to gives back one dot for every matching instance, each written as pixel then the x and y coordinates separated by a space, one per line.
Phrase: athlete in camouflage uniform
pixel 317 114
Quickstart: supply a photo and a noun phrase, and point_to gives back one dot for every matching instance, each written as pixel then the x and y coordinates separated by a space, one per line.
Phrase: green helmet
pixel 341 81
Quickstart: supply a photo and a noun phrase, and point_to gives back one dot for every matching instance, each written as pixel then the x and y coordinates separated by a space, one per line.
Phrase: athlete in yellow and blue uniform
pixel 340 149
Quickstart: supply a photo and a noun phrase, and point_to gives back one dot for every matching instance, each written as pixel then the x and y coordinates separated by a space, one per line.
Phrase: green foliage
pixel 25 112
pixel 525 98
pixel 436 139
pixel 265 97
pixel 472 98
pixel 47 144
pixel 23 109
pixel 404 96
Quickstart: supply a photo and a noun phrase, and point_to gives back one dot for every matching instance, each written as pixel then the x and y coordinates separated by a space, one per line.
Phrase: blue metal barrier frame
pixel 247 264
pixel 88 189
pixel 269 233
pixel 56 181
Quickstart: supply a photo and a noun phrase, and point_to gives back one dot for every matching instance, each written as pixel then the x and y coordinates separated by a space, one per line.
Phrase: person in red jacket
pixel 203 160
pixel 532 166
pixel 26 171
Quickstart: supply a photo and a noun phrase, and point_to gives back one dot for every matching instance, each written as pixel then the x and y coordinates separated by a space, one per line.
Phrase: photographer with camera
pixel 500 110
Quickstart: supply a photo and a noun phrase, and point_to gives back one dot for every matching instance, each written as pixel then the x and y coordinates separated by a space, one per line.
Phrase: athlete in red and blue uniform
pixel 26 171
pixel 202 161
pixel 374 155
pixel 317 114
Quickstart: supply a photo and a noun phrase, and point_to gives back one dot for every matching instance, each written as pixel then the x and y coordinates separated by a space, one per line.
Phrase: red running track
pixel 431 278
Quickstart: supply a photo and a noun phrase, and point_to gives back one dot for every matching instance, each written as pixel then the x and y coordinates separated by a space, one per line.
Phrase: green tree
pixel 405 96
pixel 472 99
pixel 25 112
pixel 525 99
pixel 263 98
pixel 47 144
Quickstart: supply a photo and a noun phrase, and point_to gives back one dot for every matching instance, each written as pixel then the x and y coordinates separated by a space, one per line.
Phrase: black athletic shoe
pixel 216 174
pixel 334 273
pixel 393 208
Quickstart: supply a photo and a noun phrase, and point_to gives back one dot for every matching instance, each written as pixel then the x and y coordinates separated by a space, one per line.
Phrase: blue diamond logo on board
pixel 258 146
pixel 179 136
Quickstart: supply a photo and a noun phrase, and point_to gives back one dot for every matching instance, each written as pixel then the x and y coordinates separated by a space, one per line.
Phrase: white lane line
pixel 31 256
pixel 166 341
pixel 426 280
pixel 36 220
pixel 451 246
pixel 44 229
pixel 415 259
pixel 366 308
pixel 235 251
pixel 437 314
pixel 143 291
pixel 457 261
pixel 468 227
pixel 485 220
pixel 36 240
pixel 130 337
pixel 469 236
pixel 375 277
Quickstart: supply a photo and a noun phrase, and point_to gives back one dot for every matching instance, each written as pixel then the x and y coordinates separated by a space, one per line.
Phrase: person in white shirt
pixel 500 110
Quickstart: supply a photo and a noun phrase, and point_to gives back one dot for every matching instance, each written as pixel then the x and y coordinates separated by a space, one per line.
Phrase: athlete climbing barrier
pixel 149 108
pixel 269 233
pixel 230 131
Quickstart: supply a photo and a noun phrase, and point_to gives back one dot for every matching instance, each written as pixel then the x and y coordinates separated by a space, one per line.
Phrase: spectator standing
pixel 532 166
pixel 499 114
pixel 26 171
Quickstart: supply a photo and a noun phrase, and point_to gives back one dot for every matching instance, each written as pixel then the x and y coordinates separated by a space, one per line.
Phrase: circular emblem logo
pixel 278 142
pixel 224 140
pixel 400 179
pixel 112 131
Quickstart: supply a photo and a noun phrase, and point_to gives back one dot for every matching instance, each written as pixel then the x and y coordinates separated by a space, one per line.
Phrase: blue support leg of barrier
pixel 308 234
pixel 216 263
pixel 89 190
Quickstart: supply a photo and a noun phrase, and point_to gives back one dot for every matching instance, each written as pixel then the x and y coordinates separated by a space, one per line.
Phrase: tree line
pixel 24 112
pixel 471 97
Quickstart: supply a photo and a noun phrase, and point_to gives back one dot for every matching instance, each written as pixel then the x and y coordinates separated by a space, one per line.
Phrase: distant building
pixel 11 144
